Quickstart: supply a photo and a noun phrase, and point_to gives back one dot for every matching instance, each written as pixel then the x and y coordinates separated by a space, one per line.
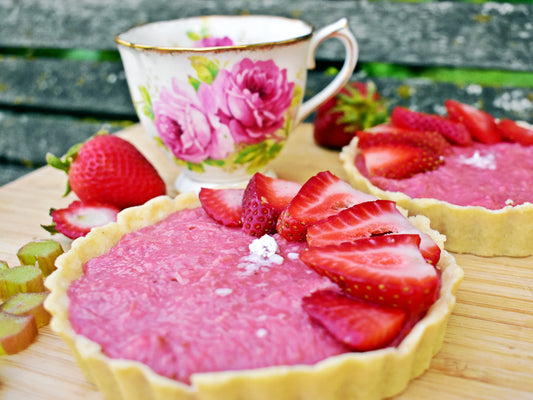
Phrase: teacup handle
pixel 340 31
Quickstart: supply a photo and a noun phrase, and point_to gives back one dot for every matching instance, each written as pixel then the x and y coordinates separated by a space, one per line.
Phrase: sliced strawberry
pixel 79 218
pixel 480 124
pixel 223 205
pixel 264 199
pixel 399 161
pixel 360 221
pixel 387 133
pixel 455 132
pixel 428 248
pixel 356 107
pixel 516 132
pixel 368 219
pixel 361 326
pixel 387 270
pixel 321 196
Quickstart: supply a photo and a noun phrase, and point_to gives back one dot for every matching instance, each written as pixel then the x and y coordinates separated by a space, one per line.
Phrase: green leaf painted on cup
pixel 145 96
pixel 215 163
pixel 248 154
pixel 193 36
pixel 146 105
pixel 256 156
pixel 148 112
pixel 199 168
pixel 195 83
pixel 274 150
pixel 205 68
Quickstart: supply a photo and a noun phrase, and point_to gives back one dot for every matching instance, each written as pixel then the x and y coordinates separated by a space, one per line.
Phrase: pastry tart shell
pixel 369 375
pixel 468 229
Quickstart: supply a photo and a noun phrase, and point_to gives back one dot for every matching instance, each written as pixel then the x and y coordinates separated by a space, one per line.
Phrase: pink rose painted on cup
pixel 213 42
pixel 188 125
pixel 253 98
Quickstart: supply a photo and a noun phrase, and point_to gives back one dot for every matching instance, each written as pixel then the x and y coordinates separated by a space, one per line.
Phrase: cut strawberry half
pixel 263 200
pixel 454 131
pixel 79 218
pixel 428 248
pixel 387 134
pixel 399 161
pixel 516 132
pixel 369 219
pixel 223 205
pixel 360 221
pixel 321 196
pixel 360 326
pixel 480 124
pixel 387 270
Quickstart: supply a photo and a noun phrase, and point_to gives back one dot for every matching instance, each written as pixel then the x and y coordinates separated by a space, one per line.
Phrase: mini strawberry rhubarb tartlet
pixel 469 173
pixel 274 291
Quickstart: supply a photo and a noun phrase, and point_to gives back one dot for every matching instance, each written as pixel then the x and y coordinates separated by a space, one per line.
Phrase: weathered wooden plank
pixel 66 86
pixel 489 35
pixel 429 96
pixel 10 172
pixel 26 137
pixel 99 89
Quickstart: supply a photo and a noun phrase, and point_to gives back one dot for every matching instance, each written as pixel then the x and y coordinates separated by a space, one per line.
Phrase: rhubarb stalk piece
pixel 42 252
pixel 17 332
pixel 28 304
pixel 21 279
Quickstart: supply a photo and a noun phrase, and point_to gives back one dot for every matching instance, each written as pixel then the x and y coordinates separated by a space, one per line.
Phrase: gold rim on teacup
pixel 170 49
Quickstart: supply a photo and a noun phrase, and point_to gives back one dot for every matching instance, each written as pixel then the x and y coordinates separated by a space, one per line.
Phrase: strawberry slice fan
pixel 382 265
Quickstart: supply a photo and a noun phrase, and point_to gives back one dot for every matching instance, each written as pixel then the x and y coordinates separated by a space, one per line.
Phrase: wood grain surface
pixel 488 347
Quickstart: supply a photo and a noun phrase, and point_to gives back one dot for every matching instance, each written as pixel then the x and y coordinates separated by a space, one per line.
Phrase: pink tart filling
pixel 188 295
pixel 492 176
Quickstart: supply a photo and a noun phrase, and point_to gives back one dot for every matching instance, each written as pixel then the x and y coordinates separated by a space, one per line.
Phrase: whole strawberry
pixel 109 170
pixel 356 107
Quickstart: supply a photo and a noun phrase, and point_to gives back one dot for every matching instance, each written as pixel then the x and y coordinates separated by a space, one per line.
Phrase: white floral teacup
pixel 221 93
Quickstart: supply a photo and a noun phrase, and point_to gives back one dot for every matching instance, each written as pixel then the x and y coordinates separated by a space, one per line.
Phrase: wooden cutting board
pixel 488 347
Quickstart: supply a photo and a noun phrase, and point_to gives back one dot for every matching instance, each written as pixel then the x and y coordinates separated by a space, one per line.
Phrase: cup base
pixel 185 183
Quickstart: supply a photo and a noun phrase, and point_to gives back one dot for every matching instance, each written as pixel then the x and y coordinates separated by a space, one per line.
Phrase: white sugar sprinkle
pixel 223 291
pixel 477 160
pixel 261 332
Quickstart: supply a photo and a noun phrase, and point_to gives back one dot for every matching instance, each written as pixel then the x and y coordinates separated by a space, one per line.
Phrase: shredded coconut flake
pixel 293 256
pixel 263 254
pixel 261 332
pixel 223 291
pixel 482 162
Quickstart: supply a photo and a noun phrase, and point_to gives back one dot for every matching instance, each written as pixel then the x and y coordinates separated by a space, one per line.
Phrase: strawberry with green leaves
pixel 108 174
pixel 356 107
pixel 109 170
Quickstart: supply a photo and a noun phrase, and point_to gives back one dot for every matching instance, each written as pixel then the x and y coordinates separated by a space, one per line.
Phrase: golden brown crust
pixel 369 375
pixel 472 229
